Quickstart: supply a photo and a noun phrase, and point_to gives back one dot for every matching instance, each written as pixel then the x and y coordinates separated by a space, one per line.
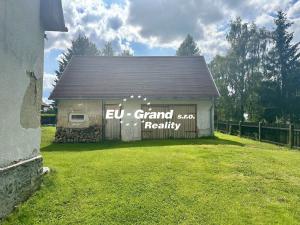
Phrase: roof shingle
pixel 92 77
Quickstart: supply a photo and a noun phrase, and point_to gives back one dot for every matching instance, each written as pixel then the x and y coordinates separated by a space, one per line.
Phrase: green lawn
pixel 222 180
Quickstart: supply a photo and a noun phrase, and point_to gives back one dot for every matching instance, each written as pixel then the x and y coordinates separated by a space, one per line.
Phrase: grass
pixel 222 180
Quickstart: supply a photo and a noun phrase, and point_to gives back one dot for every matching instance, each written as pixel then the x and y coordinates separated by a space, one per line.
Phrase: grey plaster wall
pixel 92 109
pixel 21 63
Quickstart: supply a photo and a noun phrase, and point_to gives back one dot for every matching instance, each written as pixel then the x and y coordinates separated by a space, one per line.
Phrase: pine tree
pixel 188 47
pixel 283 67
pixel 80 46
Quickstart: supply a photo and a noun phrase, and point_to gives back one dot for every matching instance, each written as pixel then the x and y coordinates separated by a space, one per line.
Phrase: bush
pixel 48 119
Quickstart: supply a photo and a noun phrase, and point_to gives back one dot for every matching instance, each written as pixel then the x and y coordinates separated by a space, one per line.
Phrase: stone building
pixel 22 24
pixel 93 87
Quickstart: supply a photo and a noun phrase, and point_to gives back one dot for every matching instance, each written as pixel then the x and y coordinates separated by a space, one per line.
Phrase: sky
pixel 157 27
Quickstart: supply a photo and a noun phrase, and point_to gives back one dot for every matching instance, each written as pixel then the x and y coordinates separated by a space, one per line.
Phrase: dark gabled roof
pixel 100 77
pixel 52 16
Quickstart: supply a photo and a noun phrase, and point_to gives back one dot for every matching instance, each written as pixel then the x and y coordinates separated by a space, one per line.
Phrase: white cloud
pixel 265 20
pixel 171 20
pixel 47 101
pixel 96 20
pixel 213 42
pixel 294 11
pixel 48 82
pixel 164 23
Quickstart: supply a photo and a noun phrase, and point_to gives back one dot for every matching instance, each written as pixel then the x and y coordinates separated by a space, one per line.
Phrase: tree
pixel 108 50
pixel 188 47
pixel 248 46
pixel 283 70
pixel 125 53
pixel 239 73
pixel 260 74
pixel 80 46
pixel 224 104
pixel 257 50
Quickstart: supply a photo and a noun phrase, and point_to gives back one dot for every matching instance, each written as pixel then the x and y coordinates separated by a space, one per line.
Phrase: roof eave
pixel 57 28
pixel 52 16
pixel 53 97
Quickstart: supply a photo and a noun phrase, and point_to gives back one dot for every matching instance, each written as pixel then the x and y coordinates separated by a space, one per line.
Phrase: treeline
pixel 81 45
pixel 84 47
pixel 259 77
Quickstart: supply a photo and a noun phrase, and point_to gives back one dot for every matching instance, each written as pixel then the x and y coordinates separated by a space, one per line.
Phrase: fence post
pixel 227 127
pixel 291 135
pixel 240 128
pixel 230 127
pixel 259 131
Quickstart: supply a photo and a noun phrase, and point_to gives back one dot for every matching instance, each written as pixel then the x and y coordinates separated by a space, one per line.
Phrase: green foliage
pixel 47 119
pixel 225 104
pixel 188 47
pixel 283 71
pixel 126 53
pixel 80 46
pixel 108 50
pixel 260 74
pixel 239 74
pixel 222 180
pixel 48 115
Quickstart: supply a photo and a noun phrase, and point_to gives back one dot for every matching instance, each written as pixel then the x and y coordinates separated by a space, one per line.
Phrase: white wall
pixel 21 50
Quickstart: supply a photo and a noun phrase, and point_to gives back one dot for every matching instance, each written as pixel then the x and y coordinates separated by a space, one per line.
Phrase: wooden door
pixel 112 126
pixel 188 128
pixel 157 133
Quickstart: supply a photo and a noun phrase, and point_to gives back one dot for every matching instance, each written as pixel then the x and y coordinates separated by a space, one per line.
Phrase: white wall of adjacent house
pixel 130 127
pixel 21 72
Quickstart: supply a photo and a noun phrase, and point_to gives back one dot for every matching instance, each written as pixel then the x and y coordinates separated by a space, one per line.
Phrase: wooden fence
pixel 282 134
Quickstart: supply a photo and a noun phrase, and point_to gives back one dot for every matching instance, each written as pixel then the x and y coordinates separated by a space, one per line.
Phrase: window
pixel 77 117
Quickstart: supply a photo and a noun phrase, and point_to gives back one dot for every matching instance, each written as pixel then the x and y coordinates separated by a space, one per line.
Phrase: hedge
pixel 48 119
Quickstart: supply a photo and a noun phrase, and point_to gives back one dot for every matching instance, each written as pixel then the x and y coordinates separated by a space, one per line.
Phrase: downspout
pixel 103 121
pixel 211 117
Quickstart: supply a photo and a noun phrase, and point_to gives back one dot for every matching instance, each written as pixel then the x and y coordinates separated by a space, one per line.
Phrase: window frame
pixel 77 120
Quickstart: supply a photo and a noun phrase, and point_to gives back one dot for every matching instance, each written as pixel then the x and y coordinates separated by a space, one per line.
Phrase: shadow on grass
pixel 106 145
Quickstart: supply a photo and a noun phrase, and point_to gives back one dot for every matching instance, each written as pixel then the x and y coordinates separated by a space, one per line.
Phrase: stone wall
pixel 18 182
pixel 77 135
